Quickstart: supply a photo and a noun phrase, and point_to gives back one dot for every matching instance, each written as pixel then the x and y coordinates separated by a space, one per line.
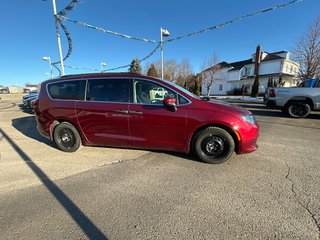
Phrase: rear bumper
pixel 271 103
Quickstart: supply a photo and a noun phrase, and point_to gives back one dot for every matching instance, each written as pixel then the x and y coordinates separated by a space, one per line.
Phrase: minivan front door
pixel 153 125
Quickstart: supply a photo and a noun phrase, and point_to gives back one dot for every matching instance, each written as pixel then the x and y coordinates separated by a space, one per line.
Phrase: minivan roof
pixel 92 75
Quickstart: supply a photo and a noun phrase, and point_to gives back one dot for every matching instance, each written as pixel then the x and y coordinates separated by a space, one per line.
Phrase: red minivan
pixel 137 111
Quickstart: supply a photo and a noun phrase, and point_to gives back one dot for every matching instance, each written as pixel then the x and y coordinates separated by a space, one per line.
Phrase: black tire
pixel 298 109
pixel 67 137
pixel 213 145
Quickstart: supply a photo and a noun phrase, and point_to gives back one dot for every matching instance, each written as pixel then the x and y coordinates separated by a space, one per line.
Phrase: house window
pixel 220 87
pixel 246 72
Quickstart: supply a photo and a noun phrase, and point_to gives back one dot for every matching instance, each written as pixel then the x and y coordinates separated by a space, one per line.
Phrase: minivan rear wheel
pixel 213 145
pixel 67 137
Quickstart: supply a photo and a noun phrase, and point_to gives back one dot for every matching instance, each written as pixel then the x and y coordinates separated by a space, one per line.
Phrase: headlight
pixel 248 118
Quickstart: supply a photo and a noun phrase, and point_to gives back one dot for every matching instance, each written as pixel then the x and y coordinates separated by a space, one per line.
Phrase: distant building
pixel 15 89
pixel 275 67
pixel 30 88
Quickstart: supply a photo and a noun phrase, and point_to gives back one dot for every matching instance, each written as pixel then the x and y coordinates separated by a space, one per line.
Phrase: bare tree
pixel 170 69
pixel 307 52
pixel 175 72
pixel 209 73
pixel 185 68
pixel 185 73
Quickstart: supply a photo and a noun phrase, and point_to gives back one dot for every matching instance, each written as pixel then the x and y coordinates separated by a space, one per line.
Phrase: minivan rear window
pixel 70 90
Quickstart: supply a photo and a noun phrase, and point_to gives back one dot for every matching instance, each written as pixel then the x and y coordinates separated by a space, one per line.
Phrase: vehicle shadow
pixel 28 127
pixel 86 225
pixel 25 109
pixel 184 156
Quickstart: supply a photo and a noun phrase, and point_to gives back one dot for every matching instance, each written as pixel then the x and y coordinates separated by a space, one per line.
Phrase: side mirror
pixel 170 103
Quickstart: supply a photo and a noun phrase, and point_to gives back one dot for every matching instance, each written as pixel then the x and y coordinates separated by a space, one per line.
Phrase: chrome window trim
pixel 99 78
pixel 143 79
pixel 67 80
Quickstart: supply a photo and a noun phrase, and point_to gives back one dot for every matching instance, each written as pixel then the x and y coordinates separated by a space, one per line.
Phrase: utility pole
pixel 163 33
pixel 58 35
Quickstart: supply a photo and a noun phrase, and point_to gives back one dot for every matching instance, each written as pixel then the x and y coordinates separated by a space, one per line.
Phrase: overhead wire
pixel 108 31
pixel 62 16
pixel 221 25
pixel 58 20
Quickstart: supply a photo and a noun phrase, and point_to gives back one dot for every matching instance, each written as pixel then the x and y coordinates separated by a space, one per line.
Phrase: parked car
pixel 298 102
pixel 28 99
pixel 117 109
pixel 308 83
pixel 32 102
pixel 4 91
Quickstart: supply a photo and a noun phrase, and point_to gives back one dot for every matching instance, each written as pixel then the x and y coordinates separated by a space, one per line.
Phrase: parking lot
pixel 113 193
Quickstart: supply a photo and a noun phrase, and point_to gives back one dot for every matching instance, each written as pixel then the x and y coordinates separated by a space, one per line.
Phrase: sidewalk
pixel 227 97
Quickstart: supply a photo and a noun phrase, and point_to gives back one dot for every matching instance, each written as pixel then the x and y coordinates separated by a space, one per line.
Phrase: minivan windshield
pixel 181 89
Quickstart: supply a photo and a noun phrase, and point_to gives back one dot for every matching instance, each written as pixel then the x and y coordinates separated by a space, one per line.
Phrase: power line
pixel 221 25
pixel 143 59
pixel 57 16
pixel 116 68
pixel 61 16
pixel 108 31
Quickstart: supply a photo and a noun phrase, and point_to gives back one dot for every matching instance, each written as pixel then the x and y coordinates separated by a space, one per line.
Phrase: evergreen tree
pixel 152 72
pixel 269 82
pixel 135 66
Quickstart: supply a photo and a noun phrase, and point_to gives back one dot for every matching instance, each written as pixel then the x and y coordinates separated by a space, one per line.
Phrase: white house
pixel 275 67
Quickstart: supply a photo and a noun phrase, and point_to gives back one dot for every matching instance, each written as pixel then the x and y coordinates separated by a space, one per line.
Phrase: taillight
pixel 35 103
pixel 272 93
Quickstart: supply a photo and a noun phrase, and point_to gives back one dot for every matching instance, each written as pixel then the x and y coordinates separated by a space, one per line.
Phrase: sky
pixel 28 33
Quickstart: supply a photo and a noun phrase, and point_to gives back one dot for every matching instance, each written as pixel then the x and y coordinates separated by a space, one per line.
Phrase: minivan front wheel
pixel 213 145
pixel 66 137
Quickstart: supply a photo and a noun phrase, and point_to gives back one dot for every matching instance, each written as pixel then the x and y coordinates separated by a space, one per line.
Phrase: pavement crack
pixel 305 206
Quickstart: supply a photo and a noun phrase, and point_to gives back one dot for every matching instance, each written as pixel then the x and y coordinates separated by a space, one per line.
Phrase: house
pixel 275 67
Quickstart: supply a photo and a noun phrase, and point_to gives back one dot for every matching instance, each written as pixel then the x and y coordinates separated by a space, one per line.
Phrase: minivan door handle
pixel 134 112
pixel 122 111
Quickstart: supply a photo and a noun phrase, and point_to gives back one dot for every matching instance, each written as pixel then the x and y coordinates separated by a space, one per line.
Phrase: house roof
pixel 221 64
pixel 240 64
pixel 278 52
pixel 271 57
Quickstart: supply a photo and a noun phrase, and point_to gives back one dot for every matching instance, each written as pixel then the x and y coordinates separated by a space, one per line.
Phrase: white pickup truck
pixel 296 101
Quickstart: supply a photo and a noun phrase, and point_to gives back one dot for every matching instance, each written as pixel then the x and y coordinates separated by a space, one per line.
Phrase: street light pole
pixel 102 64
pixel 47 58
pixel 58 36
pixel 163 33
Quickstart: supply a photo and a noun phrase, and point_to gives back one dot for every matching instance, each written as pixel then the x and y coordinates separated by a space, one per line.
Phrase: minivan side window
pixel 151 93
pixel 108 90
pixel 69 90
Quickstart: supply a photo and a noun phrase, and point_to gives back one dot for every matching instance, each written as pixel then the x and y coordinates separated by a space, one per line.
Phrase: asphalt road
pixel 108 193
